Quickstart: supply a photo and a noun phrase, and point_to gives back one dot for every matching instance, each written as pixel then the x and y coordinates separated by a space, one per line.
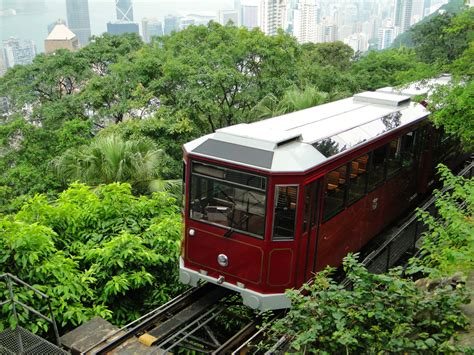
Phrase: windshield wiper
pixel 236 225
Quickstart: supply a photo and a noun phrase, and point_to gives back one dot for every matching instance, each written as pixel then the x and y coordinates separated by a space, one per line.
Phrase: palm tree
pixel 111 159
pixel 293 100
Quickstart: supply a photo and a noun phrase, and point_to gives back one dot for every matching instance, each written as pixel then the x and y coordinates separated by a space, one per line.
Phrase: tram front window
pixel 228 198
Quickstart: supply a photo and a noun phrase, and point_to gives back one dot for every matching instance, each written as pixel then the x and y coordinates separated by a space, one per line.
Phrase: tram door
pixel 309 234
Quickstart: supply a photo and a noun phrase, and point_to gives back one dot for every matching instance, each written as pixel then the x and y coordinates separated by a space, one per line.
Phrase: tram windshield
pixel 228 198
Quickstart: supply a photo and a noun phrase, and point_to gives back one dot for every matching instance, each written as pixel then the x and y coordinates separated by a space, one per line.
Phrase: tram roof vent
pixel 382 98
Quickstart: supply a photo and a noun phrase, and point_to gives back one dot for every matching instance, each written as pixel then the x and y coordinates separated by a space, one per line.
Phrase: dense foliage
pixel 117 112
pixel 381 313
pixel 96 251
pixel 448 245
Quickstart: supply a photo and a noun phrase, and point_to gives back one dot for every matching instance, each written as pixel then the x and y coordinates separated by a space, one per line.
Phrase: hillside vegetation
pixel 90 148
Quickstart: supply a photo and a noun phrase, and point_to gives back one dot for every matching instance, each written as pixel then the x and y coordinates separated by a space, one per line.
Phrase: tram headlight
pixel 223 260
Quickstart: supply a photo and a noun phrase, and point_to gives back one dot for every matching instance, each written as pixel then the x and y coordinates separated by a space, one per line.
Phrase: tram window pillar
pixel 284 213
pixel 377 167
pixel 358 182
pixel 394 161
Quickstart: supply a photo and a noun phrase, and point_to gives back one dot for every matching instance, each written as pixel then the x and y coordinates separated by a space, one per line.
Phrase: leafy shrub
pixel 96 251
pixel 448 245
pixel 382 313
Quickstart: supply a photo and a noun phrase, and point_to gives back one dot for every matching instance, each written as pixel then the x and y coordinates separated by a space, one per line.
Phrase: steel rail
pixel 212 313
pixel 127 326
pixel 173 306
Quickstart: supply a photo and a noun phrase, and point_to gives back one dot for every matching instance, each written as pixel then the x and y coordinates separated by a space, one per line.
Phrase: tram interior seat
pixel 362 161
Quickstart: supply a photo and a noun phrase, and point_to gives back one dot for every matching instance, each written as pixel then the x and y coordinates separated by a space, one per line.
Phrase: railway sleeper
pixel 168 327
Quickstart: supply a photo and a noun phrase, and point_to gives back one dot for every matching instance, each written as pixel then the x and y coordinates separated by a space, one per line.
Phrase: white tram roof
pixel 301 140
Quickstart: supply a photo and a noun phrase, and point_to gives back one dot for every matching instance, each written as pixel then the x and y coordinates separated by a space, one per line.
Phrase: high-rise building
pixel 403 14
pixel 120 27
pixel 326 31
pixel 78 19
pixel 250 16
pixel 427 5
pixel 185 22
pixel 226 16
pixel 124 10
pixel 61 37
pixel 238 8
pixel 386 37
pixel 304 21
pixel 358 42
pixel 18 52
pixel 272 16
pixel 151 27
pixel 3 66
pixel 171 24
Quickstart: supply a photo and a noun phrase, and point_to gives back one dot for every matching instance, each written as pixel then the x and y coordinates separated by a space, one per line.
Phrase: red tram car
pixel 271 202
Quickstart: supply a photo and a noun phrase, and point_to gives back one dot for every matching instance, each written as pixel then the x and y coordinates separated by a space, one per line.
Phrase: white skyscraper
pixel 250 16
pixel 18 52
pixel 226 16
pixel 386 37
pixel 304 21
pixel 403 14
pixel 358 42
pixel 151 27
pixel 326 31
pixel 272 16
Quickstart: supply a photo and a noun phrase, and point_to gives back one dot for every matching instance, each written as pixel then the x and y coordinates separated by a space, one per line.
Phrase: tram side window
pixel 377 167
pixel 284 217
pixel 394 157
pixel 358 182
pixel 336 182
pixel 408 149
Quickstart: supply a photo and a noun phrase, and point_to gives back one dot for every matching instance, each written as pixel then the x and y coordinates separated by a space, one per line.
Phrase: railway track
pixel 166 327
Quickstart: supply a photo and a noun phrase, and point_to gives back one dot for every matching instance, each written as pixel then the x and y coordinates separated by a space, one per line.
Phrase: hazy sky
pixel 33 16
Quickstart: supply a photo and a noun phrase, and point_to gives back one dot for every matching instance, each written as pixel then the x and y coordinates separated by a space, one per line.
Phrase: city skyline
pixel 361 24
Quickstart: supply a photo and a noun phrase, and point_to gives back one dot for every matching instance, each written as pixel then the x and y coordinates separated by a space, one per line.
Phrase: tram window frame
pixel 311 205
pixel 372 185
pixel 276 238
pixel 328 215
pixel 216 174
pixel 396 159
pixel 408 164
pixel 351 201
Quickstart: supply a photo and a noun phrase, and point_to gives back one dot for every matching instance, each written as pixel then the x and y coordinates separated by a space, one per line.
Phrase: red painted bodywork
pixel 268 266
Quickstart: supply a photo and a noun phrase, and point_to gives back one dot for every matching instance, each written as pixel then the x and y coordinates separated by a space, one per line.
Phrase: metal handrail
pixel 9 278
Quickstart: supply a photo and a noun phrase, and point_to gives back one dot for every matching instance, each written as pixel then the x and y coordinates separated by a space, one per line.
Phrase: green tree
pixel 434 43
pixel 390 68
pixel 104 50
pixel 216 74
pixel 48 79
pixel 335 54
pixel 453 109
pixel 96 251
pixel 293 100
pixel 381 313
pixel 448 245
pixel 111 159
pixel 26 152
